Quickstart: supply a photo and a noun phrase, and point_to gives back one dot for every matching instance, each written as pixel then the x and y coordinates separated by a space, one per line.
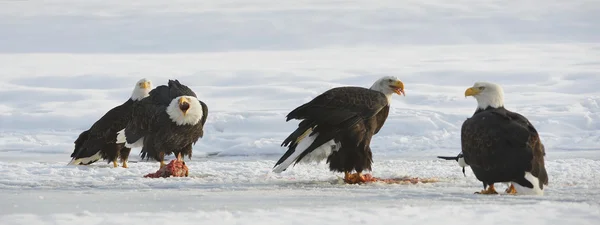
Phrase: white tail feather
pixel 461 162
pixel 73 162
pixel 87 160
pixel 317 155
pixel 536 190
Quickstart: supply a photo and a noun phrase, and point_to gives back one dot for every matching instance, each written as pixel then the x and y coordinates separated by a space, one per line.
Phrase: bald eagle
pixel 338 125
pixel 98 142
pixel 169 121
pixel 502 146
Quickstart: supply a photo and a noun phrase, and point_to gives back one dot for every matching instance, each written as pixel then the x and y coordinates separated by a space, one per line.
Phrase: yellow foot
pixel 115 164
pixel 489 191
pixel 356 178
pixel 162 164
pixel 125 165
pixel 511 190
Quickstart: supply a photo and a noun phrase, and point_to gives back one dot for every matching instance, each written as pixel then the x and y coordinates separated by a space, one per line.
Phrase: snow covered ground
pixel 64 63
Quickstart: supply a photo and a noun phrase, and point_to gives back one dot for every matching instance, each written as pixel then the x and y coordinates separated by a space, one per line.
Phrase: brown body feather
pixel 348 115
pixel 161 135
pixel 500 146
pixel 102 135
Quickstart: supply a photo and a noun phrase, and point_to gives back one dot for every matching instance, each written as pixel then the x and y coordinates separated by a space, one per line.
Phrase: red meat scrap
pixel 175 168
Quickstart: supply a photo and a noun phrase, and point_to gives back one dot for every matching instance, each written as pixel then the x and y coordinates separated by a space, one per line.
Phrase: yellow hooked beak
pixel 398 87
pixel 472 91
pixel 184 105
pixel 145 85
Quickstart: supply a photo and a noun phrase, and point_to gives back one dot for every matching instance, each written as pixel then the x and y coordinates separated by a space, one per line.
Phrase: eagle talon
pixel 354 178
pixel 489 191
pixel 486 192
pixel 511 190
pixel 358 178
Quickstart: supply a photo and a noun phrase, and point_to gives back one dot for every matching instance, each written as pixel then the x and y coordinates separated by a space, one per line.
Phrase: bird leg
pixel 350 178
pixel 511 190
pixel 161 155
pixel 124 155
pixel 490 191
pixel 115 164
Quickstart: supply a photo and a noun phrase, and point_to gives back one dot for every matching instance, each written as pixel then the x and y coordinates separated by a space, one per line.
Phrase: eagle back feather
pixel 337 105
pixel 342 114
pixel 496 138
pixel 101 136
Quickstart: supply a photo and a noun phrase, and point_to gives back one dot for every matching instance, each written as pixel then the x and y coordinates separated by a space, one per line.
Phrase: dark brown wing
pixel 143 120
pixel 204 113
pixel 381 117
pixel 337 108
pixel 498 139
pixel 104 131
pixel 112 122
pixel 534 144
pixel 163 94
pixel 342 107
pixel 490 139
pixel 177 89
pixel 355 151
pixel 79 142
pixel 338 111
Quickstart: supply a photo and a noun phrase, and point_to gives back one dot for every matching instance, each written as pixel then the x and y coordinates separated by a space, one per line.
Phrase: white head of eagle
pixel 185 110
pixel 487 95
pixel 142 89
pixel 389 85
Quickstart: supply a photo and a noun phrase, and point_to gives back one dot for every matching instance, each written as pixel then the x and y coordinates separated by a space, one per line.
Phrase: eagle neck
pixel 388 96
pixel 489 108
pixel 139 93
pixel 493 98
pixel 388 93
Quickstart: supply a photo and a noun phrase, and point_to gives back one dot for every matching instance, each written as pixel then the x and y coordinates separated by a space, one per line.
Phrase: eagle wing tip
pixel 73 162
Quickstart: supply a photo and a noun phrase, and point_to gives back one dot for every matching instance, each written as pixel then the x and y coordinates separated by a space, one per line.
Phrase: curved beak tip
pixel 184 105
pixel 399 88
pixel 470 92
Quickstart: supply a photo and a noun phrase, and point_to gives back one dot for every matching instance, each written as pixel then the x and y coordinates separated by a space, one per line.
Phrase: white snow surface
pixel 64 63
